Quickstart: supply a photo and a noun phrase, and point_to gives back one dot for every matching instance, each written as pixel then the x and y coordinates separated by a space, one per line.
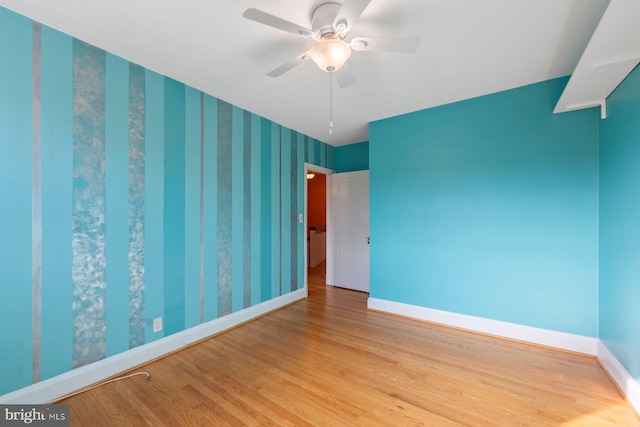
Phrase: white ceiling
pixel 469 48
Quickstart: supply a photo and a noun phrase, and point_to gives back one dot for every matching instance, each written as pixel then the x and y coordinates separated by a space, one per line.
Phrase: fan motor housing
pixel 322 18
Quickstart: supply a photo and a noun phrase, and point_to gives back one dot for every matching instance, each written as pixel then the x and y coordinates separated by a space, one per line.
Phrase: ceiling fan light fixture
pixel 330 53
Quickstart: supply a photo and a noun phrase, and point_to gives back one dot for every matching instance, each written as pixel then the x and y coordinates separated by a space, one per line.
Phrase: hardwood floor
pixel 329 361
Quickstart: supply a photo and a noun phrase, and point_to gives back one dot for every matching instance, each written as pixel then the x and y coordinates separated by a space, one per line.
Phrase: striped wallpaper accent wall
pixel 126 196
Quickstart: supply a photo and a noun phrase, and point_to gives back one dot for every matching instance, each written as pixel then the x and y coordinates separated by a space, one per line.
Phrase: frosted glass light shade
pixel 330 53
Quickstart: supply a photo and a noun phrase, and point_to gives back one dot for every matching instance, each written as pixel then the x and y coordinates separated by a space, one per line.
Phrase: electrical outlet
pixel 157 324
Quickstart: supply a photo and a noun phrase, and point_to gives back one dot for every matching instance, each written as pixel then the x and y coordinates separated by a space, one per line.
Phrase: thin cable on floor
pixel 75 393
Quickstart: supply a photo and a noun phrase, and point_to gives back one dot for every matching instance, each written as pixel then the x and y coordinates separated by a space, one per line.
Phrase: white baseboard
pixel 626 383
pixel 561 340
pixel 546 337
pixel 53 388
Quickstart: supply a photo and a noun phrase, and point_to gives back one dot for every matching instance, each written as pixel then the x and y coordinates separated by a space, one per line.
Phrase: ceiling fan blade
pixel 386 44
pixel 275 22
pixel 344 76
pixel 276 72
pixel 349 14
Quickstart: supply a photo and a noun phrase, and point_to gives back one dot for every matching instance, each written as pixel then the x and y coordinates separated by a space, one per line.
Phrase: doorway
pixel 337 224
pixel 316 222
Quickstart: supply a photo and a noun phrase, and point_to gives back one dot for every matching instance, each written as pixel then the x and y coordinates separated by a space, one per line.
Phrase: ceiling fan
pixel 330 26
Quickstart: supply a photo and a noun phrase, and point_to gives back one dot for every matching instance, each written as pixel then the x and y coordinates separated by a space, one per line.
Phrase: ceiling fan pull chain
pixel 331 103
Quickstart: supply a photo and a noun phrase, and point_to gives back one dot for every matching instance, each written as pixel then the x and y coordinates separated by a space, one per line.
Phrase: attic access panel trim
pixel 612 53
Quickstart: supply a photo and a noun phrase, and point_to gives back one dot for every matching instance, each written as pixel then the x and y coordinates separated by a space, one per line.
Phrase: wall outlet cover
pixel 157 324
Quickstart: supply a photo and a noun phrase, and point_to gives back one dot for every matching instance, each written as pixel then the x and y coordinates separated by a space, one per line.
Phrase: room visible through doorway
pixel 316 227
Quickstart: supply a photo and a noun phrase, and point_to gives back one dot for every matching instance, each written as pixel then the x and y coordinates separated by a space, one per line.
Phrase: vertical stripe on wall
pixel 246 209
pixel 256 190
pixel 237 202
pixel 153 202
pixel 201 207
pixel 331 156
pixel 15 213
pixel 224 208
pixel 276 277
pixel 317 150
pixel 323 155
pixel 210 207
pixel 285 210
pixel 301 182
pixel 89 261
pixel 117 204
pixel 192 208
pixel 36 205
pixel 293 210
pixel 266 174
pixel 57 203
pixel 174 206
pixel 136 204
pixel 310 151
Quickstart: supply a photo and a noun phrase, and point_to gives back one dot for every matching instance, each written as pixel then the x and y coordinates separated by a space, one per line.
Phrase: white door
pixel 349 200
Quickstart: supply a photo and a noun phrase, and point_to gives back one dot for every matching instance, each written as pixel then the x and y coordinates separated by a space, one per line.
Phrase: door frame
pixel 329 252
pixel 335 253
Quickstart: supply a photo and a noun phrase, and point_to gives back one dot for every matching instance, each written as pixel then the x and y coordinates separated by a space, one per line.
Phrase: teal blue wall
pixel 352 157
pixel 104 169
pixel 489 207
pixel 620 224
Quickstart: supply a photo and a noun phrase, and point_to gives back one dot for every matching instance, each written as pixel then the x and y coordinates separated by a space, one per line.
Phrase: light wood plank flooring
pixel 328 361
